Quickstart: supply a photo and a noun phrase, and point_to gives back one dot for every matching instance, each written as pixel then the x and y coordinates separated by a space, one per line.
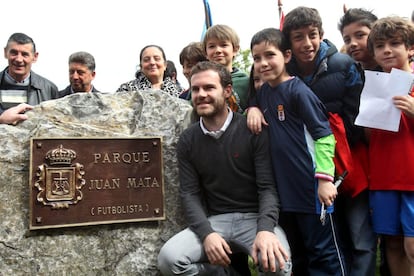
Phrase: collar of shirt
pixel 73 92
pixel 9 79
pixel 217 133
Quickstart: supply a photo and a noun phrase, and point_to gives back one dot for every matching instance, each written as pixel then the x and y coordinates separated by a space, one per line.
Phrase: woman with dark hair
pixel 151 75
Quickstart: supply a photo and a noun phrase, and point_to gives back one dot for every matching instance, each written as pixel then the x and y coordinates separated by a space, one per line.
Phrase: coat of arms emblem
pixel 59 182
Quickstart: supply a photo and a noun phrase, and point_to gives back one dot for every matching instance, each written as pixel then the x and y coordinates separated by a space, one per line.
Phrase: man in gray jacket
pixel 20 87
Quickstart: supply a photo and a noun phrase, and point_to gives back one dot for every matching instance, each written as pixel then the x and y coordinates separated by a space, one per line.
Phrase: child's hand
pixel 405 104
pixel 326 192
pixel 255 119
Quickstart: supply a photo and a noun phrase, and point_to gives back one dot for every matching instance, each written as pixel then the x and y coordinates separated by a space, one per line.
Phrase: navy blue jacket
pixel 337 81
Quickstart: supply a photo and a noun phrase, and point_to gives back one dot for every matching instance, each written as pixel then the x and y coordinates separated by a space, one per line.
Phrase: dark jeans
pixel 357 237
pixel 314 246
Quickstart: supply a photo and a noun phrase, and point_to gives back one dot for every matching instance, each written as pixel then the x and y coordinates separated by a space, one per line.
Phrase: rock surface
pixel 109 249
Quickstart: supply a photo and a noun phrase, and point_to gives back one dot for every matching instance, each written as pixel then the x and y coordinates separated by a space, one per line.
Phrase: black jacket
pixel 68 91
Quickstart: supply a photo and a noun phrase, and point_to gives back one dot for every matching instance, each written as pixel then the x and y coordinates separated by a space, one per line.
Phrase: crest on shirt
pixel 281 112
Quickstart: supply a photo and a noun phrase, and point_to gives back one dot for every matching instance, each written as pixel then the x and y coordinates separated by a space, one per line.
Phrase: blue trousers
pixel 184 254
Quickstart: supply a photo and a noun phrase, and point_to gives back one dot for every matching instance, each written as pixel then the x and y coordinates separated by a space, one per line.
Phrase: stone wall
pixel 108 249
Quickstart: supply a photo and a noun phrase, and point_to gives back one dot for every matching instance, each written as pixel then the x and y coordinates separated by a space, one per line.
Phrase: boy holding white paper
pixel 391 154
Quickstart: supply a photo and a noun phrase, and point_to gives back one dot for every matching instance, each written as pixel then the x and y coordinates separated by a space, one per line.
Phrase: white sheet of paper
pixel 377 109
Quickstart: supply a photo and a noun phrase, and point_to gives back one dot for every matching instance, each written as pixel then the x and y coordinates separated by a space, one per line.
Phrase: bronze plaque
pixel 78 181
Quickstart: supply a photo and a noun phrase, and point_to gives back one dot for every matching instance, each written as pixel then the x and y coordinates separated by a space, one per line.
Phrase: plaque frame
pixel 93 181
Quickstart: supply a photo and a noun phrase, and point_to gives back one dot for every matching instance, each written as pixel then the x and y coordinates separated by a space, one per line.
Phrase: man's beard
pixel 217 107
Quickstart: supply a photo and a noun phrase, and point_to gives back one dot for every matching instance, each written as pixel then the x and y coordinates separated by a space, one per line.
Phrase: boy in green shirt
pixel 221 44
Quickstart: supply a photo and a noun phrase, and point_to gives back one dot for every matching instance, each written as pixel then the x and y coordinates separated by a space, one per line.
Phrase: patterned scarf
pixel 234 102
pixel 143 83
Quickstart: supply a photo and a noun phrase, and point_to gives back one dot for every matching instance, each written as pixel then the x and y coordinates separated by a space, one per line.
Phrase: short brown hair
pixel 193 53
pixel 391 27
pixel 224 74
pixel 222 32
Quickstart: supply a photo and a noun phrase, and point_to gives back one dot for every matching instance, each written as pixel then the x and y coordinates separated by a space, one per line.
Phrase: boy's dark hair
pixel 251 91
pixel 392 27
pixel 83 58
pixel 21 38
pixel 171 71
pixel 361 16
pixel 271 36
pixel 193 53
pixel 302 17
pixel 224 74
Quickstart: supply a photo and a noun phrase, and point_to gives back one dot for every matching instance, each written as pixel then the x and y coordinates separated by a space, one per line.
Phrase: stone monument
pixel 108 249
